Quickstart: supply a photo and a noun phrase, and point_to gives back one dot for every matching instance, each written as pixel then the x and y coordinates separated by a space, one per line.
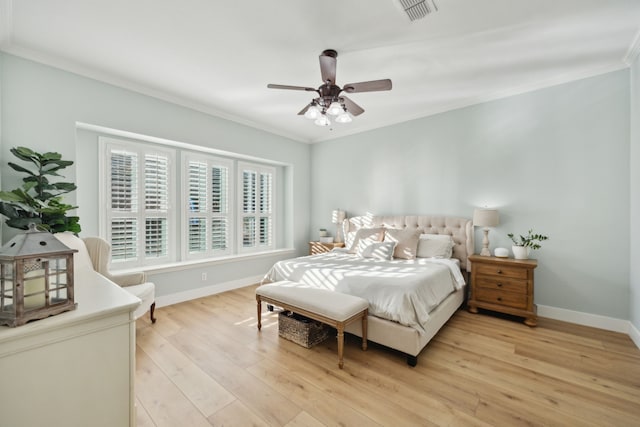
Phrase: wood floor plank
pixel 310 398
pixel 143 419
pixel 236 415
pixel 203 391
pixel 479 370
pixel 304 420
pixel 163 401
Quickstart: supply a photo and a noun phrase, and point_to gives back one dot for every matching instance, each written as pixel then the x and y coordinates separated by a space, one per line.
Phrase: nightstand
pixel 316 248
pixel 504 285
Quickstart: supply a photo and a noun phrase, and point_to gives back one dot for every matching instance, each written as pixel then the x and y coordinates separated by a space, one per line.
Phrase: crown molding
pixel 633 51
pixel 103 77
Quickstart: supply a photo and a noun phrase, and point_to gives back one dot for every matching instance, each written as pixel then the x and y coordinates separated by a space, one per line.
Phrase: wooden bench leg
pixel 340 328
pixel 364 330
pixel 259 313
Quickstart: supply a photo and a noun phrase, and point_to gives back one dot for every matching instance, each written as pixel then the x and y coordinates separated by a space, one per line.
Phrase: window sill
pixel 185 265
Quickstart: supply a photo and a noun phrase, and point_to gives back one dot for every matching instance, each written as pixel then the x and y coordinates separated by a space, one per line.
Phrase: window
pixel 138 191
pixel 207 206
pixel 256 206
pixel 148 222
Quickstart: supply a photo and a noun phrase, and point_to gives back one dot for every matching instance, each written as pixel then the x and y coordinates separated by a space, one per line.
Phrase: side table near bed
pixel 320 247
pixel 504 285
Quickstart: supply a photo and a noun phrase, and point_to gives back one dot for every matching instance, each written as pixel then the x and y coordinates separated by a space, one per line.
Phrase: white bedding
pixel 404 291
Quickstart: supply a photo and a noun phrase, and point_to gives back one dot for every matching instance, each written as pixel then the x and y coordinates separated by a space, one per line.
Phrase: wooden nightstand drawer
pixel 502 284
pixel 501 270
pixel 510 299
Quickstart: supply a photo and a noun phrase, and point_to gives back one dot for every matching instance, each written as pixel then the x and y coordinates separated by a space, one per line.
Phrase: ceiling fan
pixel 329 101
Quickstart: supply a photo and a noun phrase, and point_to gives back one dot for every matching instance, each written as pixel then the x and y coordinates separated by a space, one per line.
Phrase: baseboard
pixel 634 333
pixel 175 298
pixel 586 319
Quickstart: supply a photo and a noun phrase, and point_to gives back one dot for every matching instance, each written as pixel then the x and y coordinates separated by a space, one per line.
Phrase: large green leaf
pixel 20 169
pixel 10 196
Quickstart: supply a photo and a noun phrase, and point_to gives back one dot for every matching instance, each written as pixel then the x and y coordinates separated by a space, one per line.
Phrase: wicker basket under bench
pixel 301 330
pixel 331 308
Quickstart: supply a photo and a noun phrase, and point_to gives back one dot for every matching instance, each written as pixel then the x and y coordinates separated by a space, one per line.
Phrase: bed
pixel 410 299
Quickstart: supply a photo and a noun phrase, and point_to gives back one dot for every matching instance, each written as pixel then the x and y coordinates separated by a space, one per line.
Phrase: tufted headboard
pixel 460 228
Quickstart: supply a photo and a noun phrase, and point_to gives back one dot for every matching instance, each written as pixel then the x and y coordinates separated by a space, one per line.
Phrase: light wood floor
pixel 204 363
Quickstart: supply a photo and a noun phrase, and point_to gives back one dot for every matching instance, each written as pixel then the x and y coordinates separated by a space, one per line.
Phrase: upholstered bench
pixel 331 308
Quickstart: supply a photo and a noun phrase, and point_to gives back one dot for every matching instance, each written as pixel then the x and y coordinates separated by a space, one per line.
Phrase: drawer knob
pixel 499 298
pixel 499 285
pixel 499 271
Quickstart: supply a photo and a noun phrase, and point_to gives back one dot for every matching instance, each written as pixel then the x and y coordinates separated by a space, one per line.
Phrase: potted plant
pixel 523 244
pixel 39 200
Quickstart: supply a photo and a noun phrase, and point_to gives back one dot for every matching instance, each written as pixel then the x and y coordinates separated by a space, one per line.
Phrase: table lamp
pixel 485 218
pixel 337 217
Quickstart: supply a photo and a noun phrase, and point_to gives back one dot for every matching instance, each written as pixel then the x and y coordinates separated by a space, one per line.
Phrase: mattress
pixel 403 291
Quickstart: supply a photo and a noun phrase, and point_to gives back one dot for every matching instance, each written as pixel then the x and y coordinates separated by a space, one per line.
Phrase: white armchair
pixel 135 283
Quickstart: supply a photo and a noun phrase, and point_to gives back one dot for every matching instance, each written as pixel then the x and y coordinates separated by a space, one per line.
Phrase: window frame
pixel 210 161
pixel 178 215
pixel 241 215
pixel 106 148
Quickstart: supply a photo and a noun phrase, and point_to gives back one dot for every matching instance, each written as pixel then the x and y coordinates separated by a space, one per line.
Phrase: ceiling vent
pixel 418 9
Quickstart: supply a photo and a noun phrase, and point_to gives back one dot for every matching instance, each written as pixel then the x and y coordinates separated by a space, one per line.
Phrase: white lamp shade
pixel 312 113
pixel 338 216
pixel 322 120
pixel 334 109
pixel 485 217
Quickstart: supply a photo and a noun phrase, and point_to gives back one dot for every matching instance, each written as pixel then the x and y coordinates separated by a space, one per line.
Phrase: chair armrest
pixel 128 279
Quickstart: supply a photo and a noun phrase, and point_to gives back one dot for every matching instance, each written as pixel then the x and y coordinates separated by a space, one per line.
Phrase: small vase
pixel 520 252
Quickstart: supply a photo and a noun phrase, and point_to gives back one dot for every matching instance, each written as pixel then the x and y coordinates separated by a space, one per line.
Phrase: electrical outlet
pixel 204 277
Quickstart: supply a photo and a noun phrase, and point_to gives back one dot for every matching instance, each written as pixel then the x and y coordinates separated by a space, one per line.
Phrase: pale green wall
pixel 40 108
pixel 635 195
pixel 555 159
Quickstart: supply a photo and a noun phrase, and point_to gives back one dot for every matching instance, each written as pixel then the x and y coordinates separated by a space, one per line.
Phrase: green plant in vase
pixel 522 244
pixel 39 200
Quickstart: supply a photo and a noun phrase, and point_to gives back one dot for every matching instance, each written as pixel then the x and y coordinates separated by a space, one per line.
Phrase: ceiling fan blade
pixel 372 86
pixel 352 107
pixel 308 89
pixel 304 110
pixel 328 66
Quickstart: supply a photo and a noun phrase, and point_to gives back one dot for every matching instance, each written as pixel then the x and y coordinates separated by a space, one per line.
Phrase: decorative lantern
pixel 36 278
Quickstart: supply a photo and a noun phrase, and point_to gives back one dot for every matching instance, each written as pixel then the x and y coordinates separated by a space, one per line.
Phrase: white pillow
pixel 406 239
pixel 379 250
pixel 435 246
pixel 368 235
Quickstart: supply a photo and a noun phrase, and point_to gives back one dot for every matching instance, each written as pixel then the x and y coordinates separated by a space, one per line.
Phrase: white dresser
pixel 73 369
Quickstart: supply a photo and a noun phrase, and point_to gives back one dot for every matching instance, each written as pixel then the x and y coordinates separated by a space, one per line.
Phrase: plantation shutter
pixel 156 191
pixel 219 208
pixel 123 191
pixel 266 181
pixel 257 207
pixel 139 193
pixel 207 206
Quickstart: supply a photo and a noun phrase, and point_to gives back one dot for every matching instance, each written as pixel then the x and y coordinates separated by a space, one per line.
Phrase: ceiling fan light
pixel 344 118
pixel 335 108
pixel 312 113
pixel 322 120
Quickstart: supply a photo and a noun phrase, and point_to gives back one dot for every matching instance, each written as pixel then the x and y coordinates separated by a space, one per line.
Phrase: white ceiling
pixel 219 56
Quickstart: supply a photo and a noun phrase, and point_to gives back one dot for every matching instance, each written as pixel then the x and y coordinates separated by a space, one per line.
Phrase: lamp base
pixel 485 252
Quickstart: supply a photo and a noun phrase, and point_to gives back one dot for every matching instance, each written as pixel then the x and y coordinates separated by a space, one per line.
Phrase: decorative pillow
pixel 379 250
pixel 368 235
pixel 435 246
pixel 406 239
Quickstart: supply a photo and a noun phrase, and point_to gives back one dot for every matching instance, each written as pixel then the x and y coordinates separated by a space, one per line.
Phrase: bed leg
pixel 340 328
pixel 412 360
pixel 259 313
